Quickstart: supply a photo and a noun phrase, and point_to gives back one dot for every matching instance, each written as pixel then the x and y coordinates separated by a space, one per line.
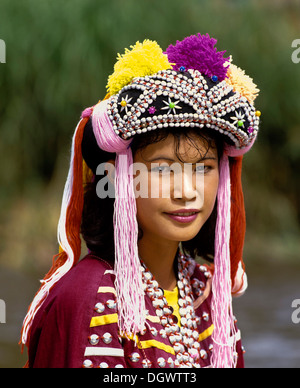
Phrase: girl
pixel 139 298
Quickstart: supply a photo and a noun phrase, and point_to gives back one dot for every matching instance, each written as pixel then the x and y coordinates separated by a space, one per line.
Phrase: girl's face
pixel 176 212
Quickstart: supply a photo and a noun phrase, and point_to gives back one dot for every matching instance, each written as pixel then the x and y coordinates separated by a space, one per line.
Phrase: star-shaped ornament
pixel 171 106
pixel 125 103
pixel 238 119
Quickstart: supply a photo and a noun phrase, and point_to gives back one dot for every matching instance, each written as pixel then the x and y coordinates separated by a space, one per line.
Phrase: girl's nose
pixel 188 185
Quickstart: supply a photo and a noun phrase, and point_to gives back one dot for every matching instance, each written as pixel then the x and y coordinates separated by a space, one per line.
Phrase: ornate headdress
pixel 190 85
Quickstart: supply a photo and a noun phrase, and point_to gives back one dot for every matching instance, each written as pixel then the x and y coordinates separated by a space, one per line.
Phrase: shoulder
pixel 74 295
pixel 80 285
pixel 60 327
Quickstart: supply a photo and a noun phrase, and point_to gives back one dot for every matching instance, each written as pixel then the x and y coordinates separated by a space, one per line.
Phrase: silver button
pixel 99 308
pixel 87 364
pixel 107 338
pixel 146 364
pixel 135 357
pixel 111 304
pixel 161 362
pixel 94 339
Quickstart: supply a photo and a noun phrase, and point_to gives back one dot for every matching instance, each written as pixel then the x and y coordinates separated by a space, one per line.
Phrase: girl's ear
pixel 110 170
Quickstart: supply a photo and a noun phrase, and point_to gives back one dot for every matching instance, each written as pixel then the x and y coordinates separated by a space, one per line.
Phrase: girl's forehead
pixel 190 149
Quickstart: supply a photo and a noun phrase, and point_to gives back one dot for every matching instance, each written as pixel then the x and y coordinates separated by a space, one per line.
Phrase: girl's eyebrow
pixel 160 157
pixel 163 157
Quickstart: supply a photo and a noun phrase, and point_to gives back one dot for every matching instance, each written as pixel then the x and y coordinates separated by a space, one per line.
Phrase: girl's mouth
pixel 183 215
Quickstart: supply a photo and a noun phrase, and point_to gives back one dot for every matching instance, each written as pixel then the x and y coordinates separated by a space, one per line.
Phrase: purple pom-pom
pixel 198 52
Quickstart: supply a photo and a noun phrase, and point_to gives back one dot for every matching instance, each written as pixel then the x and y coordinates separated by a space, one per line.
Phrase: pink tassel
pixel 87 112
pixel 223 355
pixel 128 283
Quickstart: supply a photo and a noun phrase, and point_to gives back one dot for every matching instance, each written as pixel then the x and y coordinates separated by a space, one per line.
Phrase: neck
pixel 159 258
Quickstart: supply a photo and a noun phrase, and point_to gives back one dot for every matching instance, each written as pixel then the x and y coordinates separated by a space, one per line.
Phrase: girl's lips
pixel 184 215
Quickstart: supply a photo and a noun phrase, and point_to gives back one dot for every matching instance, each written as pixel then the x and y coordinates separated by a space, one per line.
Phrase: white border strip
pixel 104 290
pixel 98 351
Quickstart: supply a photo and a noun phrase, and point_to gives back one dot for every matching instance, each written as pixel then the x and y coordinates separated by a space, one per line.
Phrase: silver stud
pixel 159 292
pixel 167 311
pixel 99 308
pixel 146 363
pixel 170 362
pixel 194 354
pixel 181 302
pixel 103 365
pixel 164 321
pixel 178 347
pixel 180 284
pixel 172 339
pixel 203 354
pixel 195 334
pixel 135 357
pixel 87 364
pixel 161 362
pixel 163 333
pixel 111 304
pixel 94 339
pixel 186 357
pixel 158 303
pixel 107 338
pixel 205 316
pixel 153 331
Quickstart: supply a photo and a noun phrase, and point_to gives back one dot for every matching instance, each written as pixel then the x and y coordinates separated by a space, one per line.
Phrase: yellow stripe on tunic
pixel 151 343
pixel 104 320
pixel 156 344
pixel 206 333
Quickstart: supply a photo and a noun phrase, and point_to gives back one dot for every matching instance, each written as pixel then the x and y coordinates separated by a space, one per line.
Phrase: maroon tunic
pixel 77 325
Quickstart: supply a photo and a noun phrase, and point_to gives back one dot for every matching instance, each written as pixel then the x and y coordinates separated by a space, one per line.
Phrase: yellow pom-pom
pixel 242 83
pixel 143 59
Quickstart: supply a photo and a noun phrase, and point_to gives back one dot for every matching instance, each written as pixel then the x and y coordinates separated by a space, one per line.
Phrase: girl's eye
pixel 161 169
pixel 202 169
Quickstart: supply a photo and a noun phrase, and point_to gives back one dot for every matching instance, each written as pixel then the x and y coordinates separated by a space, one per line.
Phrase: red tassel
pixel 238 216
pixel 73 221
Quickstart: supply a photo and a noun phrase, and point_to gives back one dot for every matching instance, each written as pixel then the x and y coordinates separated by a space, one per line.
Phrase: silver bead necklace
pixel 183 336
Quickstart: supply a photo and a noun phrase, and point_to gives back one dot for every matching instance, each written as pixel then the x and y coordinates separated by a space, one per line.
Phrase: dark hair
pixel 97 216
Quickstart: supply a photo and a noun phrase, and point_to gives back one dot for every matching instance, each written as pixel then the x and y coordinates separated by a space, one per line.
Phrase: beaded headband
pixel 183 98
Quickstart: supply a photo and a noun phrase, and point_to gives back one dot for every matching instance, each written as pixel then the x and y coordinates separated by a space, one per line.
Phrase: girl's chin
pixel 180 234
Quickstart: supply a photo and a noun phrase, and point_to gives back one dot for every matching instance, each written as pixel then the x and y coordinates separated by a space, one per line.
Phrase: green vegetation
pixel 59 55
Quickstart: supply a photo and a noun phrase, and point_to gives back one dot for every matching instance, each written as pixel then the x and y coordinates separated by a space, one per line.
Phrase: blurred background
pixel 58 57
